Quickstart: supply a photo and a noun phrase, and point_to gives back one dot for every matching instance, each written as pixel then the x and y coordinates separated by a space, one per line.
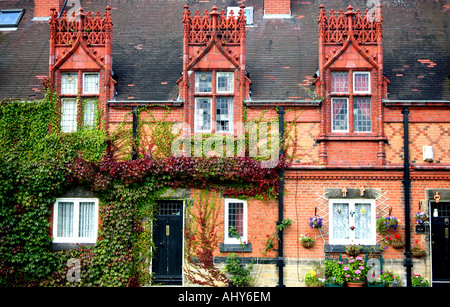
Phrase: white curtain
pixel 65 219
pixel 363 217
pixel 341 223
pixel 86 223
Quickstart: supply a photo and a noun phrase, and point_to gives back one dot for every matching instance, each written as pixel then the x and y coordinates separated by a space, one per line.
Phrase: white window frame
pixel 75 81
pixel 348 81
pixel 95 92
pixel 230 82
pixel 64 117
pixel 197 82
pixel 244 237
pixel 89 116
pixel 230 103
pixel 196 115
pixel 368 80
pixel 348 115
pixel 76 208
pixel 352 239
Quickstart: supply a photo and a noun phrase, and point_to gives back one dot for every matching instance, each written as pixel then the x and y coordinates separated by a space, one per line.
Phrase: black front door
pixel 168 238
pixel 440 243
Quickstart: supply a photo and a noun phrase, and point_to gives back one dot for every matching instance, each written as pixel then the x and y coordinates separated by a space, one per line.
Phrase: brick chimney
pixel 277 8
pixel 42 7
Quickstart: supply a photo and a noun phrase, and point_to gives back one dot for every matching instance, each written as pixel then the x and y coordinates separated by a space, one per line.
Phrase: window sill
pixel 340 248
pixel 235 248
pixel 361 136
pixel 69 246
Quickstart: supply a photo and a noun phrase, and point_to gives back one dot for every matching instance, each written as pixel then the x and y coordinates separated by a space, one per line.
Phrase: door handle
pixel 167 230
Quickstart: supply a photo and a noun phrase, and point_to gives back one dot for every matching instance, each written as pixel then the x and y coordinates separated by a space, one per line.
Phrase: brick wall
pixel 42 7
pixel 277 7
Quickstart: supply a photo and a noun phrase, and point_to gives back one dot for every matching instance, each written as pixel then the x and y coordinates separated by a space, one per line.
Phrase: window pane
pixel 340 222
pixel 90 108
pixel 340 114
pixel 90 83
pixel 69 83
pixel 361 82
pixel 225 82
pixel 203 82
pixel 224 115
pixel 9 18
pixel 86 225
pixel 68 115
pixel 65 219
pixel 363 221
pixel 361 112
pixel 339 82
pixel 203 114
pixel 236 217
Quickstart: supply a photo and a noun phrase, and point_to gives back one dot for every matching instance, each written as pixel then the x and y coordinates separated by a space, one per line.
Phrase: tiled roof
pixel 281 58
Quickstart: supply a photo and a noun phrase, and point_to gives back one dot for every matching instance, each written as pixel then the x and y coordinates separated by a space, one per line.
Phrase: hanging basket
pixel 418 254
pixel 308 244
pixel 398 245
pixel 352 252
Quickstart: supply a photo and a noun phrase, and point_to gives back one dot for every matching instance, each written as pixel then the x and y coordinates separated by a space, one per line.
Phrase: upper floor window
pixel 75 220
pixel 352 221
pixel 214 101
pixel 351 106
pixel 71 105
pixel 248 11
pixel 9 19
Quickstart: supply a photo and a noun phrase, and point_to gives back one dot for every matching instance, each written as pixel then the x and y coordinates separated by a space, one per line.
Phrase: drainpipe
pixel 134 145
pixel 280 261
pixel 407 185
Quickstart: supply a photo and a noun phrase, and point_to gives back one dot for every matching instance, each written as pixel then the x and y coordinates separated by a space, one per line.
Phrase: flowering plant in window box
pixel 307 241
pixel 315 222
pixel 421 218
pixel 419 281
pixel 417 249
pixel 353 249
pixel 396 241
pixel 390 279
pixel 356 270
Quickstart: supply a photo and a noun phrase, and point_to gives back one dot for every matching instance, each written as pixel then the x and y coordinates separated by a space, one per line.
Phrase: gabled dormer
pixel 81 65
pixel 214 84
pixel 351 81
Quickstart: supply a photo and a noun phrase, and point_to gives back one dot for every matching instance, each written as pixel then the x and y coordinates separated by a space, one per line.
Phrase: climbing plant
pixel 38 163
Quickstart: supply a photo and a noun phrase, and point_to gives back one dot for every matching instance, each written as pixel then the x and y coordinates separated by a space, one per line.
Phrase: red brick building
pixel 349 82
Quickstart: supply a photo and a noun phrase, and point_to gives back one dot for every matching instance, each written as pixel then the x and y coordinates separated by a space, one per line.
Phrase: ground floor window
pixel 75 220
pixel 235 220
pixel 352 221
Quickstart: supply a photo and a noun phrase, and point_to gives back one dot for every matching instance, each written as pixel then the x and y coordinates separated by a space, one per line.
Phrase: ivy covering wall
pixel 39 164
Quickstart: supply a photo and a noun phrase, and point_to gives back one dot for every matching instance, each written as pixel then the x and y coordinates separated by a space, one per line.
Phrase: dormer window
pixel 351 104
pixel 73 83
pixel 248 11
pixel 214 101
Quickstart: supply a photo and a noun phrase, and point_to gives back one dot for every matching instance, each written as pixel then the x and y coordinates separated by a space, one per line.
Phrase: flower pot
pixel 327 285
pixel 354 284
pixel 418 254
pixel 308 244
pixel 397 245
pixel 375 285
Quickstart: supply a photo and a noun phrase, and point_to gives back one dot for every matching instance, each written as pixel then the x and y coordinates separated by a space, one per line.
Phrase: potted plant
pixel 307 241
pixel 353 249
pixel 374 280
pixel 390 279
pixel 315 222
pixel 386 223
pixel 417 250
pixel 355 272
pixel 421 217
pixel 315 277
pixel 334 273
pixel 419 281
pixel 396 241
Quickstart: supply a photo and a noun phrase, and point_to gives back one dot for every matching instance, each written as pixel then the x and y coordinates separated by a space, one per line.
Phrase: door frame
pixel 183 227
pixel 445 197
